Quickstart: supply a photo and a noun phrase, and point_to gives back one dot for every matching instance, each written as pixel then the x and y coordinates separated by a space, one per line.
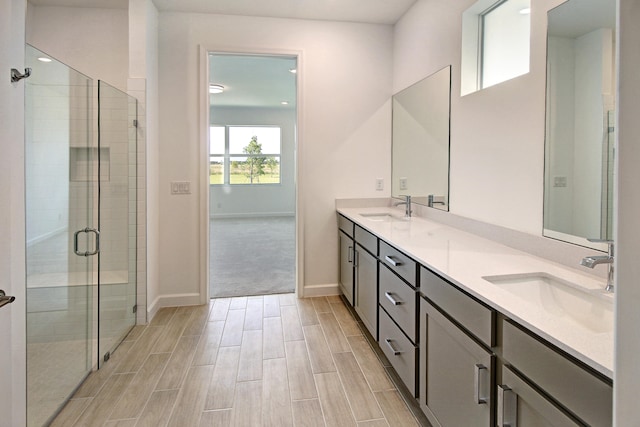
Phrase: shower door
pixel 117 119
pixel 62 239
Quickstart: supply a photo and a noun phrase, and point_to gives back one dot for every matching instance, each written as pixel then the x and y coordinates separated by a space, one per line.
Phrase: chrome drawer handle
pixel 478 397
pixel 390 297
pixel 393 350
pixel 507 407
pixel 391 260
pixel 349 256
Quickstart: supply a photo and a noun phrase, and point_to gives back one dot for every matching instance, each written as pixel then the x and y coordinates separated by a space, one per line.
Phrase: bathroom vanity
pixel 479 333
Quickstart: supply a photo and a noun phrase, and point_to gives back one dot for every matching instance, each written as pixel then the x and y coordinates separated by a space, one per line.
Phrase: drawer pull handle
pixel 393 349
pixel 390 297
pixel 507 407
pixel 479 381
pixel 391 260
pixel 349 254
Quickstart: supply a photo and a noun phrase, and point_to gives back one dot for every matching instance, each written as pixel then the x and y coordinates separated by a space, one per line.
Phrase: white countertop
pixel 464 258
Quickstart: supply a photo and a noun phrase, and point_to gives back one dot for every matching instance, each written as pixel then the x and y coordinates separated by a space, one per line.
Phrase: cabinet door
pixel 346 266
pixel 455 373
pixel 518 404
pixel 367 289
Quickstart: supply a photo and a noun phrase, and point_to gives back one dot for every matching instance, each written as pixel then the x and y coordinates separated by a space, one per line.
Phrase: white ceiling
pixel 255 81
pixel 368 11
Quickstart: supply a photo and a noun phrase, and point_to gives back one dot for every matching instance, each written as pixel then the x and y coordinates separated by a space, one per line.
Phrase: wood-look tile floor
pixel 270 360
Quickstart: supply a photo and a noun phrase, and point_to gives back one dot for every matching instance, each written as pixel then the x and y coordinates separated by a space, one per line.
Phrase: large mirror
pixel 420 153
pixel 579 150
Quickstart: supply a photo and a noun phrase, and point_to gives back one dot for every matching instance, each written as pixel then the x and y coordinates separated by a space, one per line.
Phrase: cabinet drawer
pixel 401 264
pixel 345 225
pixel 471 314
pixel 584 394
pixel 399 350
pixel 399 300
pixel 366 240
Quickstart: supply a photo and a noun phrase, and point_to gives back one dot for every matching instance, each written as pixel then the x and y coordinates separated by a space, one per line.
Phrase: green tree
pixel 255 164
pixel 272 164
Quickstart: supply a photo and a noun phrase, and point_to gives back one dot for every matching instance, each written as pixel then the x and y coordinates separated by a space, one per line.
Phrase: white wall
pixel 627 235
pixel 93 41
pixel 12 221
pixel 344 128
pixel 497 134
pixel 252 200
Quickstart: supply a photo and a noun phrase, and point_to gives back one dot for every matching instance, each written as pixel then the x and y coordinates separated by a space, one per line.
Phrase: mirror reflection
pixel 420 141
pixel 579 152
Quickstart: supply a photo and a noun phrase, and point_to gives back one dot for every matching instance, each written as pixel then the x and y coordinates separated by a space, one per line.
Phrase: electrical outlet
pixel 379 184
pixel 403 183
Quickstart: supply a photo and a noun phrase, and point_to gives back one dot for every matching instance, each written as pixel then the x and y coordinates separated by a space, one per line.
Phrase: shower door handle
pixel 75 241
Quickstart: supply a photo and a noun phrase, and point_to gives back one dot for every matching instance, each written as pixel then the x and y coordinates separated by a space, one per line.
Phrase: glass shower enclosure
pixel 80 162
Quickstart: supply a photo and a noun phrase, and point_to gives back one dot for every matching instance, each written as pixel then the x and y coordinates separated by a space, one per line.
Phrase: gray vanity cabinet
pixel 573 388
pixel 520 405
pixel 456 373
pixel 366 279
pixel 347 251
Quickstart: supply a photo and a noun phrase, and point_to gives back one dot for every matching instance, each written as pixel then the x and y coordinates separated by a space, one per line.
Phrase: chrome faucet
pixel 592 261
pixel 407 202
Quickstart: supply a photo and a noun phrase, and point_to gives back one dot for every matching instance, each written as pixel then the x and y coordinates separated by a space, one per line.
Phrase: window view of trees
pixel 247 160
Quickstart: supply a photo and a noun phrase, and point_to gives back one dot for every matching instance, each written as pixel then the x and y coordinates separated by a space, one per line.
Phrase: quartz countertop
pixel 464 259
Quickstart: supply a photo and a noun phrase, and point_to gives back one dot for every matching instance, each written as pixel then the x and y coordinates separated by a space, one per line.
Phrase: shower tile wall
pixel 137 89
pixel 117 217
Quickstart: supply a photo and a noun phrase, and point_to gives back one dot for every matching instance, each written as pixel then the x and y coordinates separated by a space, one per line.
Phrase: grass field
pixel 238 176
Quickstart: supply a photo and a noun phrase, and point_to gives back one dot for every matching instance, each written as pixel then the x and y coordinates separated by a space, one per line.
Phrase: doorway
pixel 252 169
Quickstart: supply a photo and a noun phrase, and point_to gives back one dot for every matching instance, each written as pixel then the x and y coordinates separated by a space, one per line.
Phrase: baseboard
pixel 173 300
pixel 320 290
pixel 46 236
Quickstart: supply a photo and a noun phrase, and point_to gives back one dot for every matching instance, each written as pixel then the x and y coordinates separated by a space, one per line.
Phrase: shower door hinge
pixel 135 123
pixel 134 309
pixel 107 356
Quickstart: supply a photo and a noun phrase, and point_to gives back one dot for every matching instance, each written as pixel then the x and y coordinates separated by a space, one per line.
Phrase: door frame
pixel 203 137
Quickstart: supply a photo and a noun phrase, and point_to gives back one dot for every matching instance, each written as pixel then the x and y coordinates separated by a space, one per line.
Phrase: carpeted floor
pixel 252 256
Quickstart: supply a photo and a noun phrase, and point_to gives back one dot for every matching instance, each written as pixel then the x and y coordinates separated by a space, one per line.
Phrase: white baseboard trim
pixel 320 290
pixel 172 300
pixel 46 236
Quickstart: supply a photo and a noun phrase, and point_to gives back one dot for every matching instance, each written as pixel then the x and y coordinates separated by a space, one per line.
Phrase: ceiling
pixel 367 11
pixel 253 81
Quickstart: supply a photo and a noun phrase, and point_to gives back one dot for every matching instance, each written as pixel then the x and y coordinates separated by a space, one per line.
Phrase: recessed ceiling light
pixel 285 103
pixel 216 88
pixel 44 59
pixel 525 11
pixel 293 70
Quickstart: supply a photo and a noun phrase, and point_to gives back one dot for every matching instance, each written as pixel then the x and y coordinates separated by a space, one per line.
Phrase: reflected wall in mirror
pixel 579 150
pixel 420 141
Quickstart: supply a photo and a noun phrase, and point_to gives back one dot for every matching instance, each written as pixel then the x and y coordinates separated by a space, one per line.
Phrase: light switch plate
pixel 181 187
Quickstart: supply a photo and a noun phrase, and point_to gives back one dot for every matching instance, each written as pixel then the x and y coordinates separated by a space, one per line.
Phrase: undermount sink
pixel 381 217
pixel 591 308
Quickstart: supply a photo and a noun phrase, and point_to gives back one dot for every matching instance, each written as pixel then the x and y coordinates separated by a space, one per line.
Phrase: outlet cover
pixel 379 184
pixel 403 183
